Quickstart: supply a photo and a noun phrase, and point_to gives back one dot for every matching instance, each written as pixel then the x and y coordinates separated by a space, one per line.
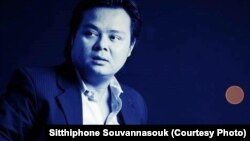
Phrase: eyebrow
pixel 89 25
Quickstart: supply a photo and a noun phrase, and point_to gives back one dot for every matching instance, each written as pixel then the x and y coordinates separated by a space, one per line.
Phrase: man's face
pixel 103 41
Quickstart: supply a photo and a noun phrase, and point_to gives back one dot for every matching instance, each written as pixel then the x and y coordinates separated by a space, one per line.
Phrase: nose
pixel 102 44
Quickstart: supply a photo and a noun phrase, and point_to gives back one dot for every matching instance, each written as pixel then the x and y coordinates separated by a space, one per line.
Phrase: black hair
pixel 128 5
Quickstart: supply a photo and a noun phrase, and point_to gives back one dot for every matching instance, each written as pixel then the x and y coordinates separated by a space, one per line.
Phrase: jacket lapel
pixel 70 99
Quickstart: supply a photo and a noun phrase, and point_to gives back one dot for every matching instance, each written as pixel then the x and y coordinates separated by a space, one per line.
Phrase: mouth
pixel 99 59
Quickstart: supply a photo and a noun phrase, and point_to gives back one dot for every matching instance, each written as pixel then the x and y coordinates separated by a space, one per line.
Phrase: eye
pixel 90 33
pixel 115 37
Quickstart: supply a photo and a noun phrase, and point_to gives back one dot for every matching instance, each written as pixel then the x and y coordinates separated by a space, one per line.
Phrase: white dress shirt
pixel 95 110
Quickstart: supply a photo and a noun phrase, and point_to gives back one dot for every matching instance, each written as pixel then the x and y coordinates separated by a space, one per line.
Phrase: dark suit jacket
pixel 37 97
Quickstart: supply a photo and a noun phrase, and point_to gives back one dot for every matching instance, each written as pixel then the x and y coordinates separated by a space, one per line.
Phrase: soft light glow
pixel 234 95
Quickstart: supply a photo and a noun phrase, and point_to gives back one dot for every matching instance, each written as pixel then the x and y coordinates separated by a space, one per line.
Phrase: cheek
pixel 81 47
pixel 77 53
pixel 121 56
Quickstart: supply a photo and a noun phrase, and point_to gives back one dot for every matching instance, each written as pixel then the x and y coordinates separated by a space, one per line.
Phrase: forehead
pixel 104 17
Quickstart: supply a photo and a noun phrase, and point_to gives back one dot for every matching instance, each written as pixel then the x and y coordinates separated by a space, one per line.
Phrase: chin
pixel 101 71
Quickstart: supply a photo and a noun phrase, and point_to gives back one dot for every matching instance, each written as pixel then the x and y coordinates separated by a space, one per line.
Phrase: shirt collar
pixel 114 85
pixel 116 102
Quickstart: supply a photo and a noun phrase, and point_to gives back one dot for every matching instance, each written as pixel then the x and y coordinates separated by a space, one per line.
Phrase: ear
pixel 131 47
pixel 71 40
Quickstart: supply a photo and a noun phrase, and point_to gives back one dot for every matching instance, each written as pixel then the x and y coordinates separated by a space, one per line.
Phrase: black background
pixel 189 53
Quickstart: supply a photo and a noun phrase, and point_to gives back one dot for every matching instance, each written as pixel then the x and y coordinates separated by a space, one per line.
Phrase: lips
pixel 99 58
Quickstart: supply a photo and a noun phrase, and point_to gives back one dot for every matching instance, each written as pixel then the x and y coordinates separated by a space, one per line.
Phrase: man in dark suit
pixel 84 90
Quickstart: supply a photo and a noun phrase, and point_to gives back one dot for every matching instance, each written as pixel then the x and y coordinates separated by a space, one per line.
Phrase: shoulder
pixel 36 71
pixel 32 77
pixel 33 83
pixel 133 100
pixel 30 72
pixel 36 74
pixel 131 92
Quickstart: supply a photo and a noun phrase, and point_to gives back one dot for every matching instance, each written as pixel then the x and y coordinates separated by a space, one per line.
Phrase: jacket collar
pixel 70 98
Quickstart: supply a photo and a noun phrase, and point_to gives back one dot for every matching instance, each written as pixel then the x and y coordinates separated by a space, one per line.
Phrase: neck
pixel 97 84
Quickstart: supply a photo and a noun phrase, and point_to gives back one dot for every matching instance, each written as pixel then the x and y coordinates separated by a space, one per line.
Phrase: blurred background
pixel 189 54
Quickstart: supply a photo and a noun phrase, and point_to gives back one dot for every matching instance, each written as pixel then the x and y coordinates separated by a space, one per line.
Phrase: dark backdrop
pixel 189 53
